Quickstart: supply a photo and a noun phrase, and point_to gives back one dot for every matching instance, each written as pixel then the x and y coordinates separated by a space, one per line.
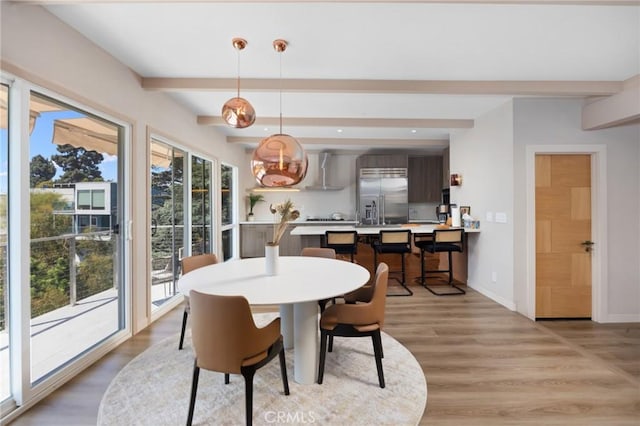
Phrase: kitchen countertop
pixel 305 222
pixel 370 230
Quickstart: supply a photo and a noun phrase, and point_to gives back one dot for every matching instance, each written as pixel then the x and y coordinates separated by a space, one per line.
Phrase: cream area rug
pixel 154 389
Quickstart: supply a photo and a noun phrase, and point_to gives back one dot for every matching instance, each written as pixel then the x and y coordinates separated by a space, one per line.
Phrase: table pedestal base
pixel 305 341
pixel 303 337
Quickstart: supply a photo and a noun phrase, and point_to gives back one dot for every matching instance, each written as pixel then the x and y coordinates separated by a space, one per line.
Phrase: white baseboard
pixel 509 304
pixel 621 318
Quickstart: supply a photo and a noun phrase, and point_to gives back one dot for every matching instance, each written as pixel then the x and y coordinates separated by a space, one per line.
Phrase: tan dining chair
pixel 441 241
pixel 362 294
pixel 227 340
pixel 357 320
pixel 327 253
pixel 188 264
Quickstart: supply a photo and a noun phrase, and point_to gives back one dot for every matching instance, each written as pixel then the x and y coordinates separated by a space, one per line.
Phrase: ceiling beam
pixel 517 2
pixel 385 143
pixel 450 87
pixel 419 123
pixel 621 108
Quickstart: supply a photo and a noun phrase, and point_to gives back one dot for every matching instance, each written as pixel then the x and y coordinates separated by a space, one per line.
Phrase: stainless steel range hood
pixel 324 158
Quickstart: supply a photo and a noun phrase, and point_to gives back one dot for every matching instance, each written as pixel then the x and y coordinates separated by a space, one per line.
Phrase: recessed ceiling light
pixel 266 129
pixel 339 130
pixel 413 130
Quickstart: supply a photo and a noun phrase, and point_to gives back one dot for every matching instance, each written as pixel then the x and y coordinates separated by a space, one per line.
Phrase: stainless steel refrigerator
pixel 383 196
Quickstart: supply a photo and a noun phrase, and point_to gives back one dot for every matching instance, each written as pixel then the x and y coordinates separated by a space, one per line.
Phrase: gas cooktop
pixel 323 219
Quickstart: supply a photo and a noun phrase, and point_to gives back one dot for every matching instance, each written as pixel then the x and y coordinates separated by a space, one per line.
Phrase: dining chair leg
pixel 185 314
pixel 248 374
pixel 330 343
pixel 226 378
pixel 194 390
pixel 422 267
pixel 323 353
pixel 377 350
pixel 375 259
pixel 283 371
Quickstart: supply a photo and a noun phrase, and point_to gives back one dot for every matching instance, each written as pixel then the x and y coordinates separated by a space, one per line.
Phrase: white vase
pixel 271 255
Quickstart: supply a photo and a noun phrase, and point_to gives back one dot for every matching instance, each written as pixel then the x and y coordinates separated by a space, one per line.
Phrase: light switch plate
pixel 489 216
pixel 501 217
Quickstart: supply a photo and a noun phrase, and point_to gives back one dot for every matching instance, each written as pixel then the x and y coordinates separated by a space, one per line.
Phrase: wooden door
pixel 563 224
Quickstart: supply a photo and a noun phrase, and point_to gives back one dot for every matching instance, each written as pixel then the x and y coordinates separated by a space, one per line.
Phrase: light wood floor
pixel 484 365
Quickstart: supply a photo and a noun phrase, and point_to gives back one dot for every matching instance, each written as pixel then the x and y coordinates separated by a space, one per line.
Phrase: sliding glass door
pixel 61 249
pixel 181 222
pixel 5 380
pixel 201 235
pixel 228 176
pixel 167 219
pixel 75 217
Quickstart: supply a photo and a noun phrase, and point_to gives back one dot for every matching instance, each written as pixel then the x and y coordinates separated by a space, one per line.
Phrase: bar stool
pixel 442 240
pixel 343 242
pixel 393 241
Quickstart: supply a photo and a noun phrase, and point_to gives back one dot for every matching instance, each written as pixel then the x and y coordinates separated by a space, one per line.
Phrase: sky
pixel 41 143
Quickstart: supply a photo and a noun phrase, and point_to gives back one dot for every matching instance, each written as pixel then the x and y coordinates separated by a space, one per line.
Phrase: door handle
pixel 587 245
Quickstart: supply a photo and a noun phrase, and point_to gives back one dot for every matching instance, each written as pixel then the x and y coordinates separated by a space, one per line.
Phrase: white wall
pixel 491 159
pixel 558 122
pixel 38 46
pixel 483 156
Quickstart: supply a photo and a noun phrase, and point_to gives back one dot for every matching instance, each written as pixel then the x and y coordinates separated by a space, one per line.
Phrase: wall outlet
pixel 494 277
pixel 501 217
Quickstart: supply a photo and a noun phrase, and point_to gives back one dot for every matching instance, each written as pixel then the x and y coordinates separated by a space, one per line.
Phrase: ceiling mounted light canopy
pixel 237 112
pixel 279 160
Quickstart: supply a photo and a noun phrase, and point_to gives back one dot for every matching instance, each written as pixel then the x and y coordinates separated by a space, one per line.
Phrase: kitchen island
pixel 415 228
pixel 313 236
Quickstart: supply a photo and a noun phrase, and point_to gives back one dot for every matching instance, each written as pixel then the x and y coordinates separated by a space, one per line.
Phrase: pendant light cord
pixel 280 92
pixel 238 68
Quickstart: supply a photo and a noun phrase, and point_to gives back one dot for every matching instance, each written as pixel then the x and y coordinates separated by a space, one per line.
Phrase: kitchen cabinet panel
pixel 445 168
pixel 382 161
pixel 425 179
pixel 253 238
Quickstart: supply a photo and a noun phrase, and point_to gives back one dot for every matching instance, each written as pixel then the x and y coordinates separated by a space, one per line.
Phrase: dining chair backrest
pixel 223 332
pixel 191 263
pixel 379 298
pixel 325 252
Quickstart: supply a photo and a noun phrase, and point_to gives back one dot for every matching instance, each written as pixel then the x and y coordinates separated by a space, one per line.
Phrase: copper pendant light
pixel 237 112
pixel 279 160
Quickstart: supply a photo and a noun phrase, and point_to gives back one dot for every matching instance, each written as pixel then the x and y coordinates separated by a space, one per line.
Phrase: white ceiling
pixel 417 61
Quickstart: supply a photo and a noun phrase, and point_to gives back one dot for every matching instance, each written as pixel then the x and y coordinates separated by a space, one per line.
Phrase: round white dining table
pixel 300 282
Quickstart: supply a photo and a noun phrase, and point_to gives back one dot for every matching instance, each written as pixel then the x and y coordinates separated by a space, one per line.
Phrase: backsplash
pixel 422 211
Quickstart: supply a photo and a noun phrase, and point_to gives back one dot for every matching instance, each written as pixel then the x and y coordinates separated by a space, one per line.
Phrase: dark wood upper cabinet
pixel 425 179
pixel 381 161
